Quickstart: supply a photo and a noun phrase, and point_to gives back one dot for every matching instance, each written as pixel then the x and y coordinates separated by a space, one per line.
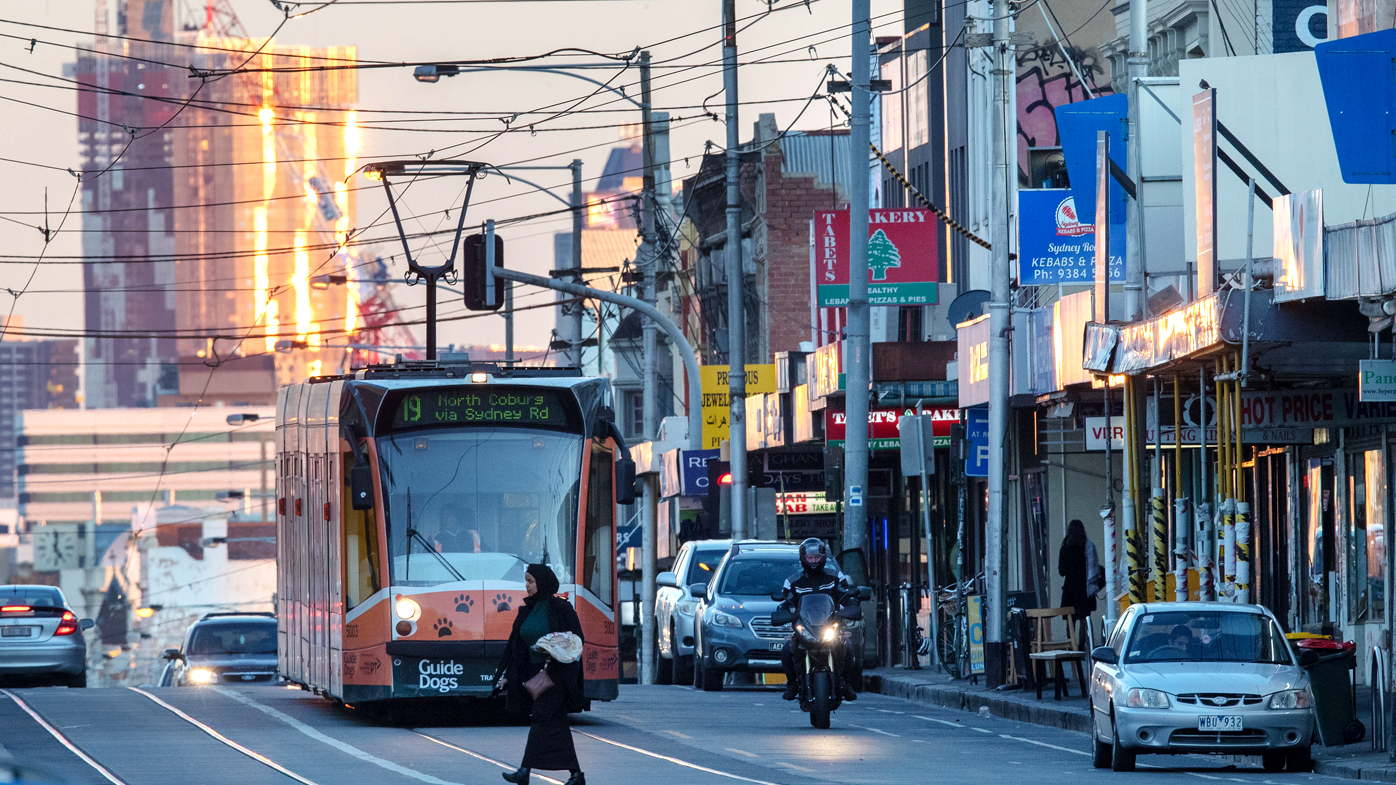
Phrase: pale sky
pixel 446 31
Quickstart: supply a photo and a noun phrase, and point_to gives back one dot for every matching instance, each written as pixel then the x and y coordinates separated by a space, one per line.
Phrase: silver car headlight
pixel 1292 699
pixel 687 608
pixel 1138 698
pixel 726 620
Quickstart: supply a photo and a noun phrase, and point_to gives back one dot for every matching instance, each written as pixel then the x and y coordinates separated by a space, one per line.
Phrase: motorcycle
pixel 818 634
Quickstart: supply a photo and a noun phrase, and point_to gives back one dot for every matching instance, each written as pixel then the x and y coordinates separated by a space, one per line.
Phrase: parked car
pixel 733 630
pixel 224 648
pixel 1200 677
pixel 40 635
pixel 674 606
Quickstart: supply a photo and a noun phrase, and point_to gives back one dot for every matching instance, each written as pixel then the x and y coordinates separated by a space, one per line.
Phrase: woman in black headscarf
pixel 1077 564
pixel 549 738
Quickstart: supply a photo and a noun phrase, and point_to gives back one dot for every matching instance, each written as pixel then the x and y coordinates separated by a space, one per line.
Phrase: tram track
pixel 64 740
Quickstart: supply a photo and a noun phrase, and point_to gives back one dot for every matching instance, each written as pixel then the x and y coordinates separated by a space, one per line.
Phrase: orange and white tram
pixel 411 497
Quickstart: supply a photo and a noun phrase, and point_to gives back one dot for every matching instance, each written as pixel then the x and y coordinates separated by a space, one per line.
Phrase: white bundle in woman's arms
pixel 563 647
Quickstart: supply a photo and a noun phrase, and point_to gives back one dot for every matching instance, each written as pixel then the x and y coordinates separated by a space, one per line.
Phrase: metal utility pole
pixel 736 313
pixel 1134 210
pixel 570 326
pixel 998 349
pixel 649 534
pixel 856 363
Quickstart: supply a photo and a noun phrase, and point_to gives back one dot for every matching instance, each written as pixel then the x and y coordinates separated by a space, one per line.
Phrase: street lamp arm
pixel 509 175
pixel 676 336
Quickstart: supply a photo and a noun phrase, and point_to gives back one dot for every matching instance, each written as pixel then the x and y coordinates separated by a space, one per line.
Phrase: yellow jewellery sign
pixel 717 404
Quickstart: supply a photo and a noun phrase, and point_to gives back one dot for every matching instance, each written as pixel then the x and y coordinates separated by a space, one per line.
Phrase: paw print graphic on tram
pixel 503 603
pixel 464 602
pixel 443 628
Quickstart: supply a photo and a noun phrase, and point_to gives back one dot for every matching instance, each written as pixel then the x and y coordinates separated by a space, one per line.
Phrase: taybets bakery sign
pixel 1055 245
pixel 903 257
pixel 882 426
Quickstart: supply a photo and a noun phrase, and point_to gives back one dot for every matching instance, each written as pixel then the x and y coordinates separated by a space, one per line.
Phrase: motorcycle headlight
pixel 1292 699
pixel 201 675
pixel 831 632
pixel 687 608
pixel 726 620
pixel 1146 699
pixel 805 633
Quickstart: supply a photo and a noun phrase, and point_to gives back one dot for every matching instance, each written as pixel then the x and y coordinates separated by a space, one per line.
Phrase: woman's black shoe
pixel 519 777
pixel 577 778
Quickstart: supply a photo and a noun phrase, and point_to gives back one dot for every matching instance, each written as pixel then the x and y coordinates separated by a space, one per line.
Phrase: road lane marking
pixel 981 730
pixel 264 760
pixel 889 711
pixel 84 757
pixel 1045 744
pixel 683 763
pixel 792 766
pixel 874 730
pixel 333 742
pixel 676 733
pixel 942 722
pixel 473 754
pixel 742 752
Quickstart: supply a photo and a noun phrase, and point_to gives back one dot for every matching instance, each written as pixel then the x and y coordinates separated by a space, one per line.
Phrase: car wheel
pixel 1103 753
pixel 664 673
pixel 1121 759
pixel 708 679
pixel 1273 761
pixel 77 680
pixel 1299 759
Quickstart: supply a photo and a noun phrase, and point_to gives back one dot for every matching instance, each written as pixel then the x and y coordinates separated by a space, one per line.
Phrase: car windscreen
pixel 756 576
pixel 31 595
pixel 1207 636
pixel 247 637
pixel 701 566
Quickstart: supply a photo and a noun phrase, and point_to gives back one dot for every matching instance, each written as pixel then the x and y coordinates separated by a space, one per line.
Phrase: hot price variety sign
pixel 903 258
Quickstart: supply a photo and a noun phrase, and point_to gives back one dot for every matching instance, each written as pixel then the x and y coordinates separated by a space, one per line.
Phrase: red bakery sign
pixel 903 257
pixel 882 432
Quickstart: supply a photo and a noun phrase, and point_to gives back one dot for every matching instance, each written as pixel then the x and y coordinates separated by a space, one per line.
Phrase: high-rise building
pixel 33 375
pixel 216 210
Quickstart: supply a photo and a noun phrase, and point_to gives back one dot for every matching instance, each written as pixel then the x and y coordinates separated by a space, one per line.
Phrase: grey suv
pixel 674 606
pixel 733 628
pixel 224 648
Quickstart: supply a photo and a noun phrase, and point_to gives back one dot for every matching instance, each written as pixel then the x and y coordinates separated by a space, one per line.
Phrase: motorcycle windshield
pixel 816 609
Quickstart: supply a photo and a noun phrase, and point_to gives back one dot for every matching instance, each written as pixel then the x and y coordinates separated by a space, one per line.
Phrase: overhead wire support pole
pixel 1138 64
pixel 856 364
pixel 999 273
pixel 676 336
pixel 649 535
pixel 571 322
pixel 732 255
pixel 416 273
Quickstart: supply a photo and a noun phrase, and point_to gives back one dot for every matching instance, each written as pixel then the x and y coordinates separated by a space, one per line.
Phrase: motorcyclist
pixel 816 576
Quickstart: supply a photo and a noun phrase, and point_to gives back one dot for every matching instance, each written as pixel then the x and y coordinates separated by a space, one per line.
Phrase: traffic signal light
pixel 833 472
pixel 473 273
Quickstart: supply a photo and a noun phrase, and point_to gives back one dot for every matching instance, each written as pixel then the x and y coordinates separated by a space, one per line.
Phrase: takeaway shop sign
pixel 883 433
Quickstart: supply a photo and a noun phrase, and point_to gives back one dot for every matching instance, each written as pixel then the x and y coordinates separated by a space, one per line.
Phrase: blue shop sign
pixel 977 436
pixel 1055 246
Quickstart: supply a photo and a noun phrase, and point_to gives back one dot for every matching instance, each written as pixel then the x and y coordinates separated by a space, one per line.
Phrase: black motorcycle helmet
pixel 813 555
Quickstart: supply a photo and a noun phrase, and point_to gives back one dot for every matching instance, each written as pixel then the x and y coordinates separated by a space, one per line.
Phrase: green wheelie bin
pixel 1330 678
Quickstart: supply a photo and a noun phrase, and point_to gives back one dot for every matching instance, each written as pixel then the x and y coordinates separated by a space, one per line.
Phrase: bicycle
pixel 952 628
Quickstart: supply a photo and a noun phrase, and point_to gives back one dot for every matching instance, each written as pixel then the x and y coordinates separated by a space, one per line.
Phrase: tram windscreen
pixel 471 504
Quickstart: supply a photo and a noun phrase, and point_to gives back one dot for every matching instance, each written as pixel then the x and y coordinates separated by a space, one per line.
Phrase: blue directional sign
pixel 1055 245
pixel 977 443
pixel 1357 86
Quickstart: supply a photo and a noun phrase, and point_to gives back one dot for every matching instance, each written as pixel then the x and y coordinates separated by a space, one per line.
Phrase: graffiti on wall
pixel 1046 81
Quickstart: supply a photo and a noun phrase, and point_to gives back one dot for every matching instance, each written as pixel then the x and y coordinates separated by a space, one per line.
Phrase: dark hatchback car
pixel 224 648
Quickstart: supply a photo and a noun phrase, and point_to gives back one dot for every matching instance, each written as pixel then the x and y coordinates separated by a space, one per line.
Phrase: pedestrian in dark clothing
pixel 549 737
pixel 1077 563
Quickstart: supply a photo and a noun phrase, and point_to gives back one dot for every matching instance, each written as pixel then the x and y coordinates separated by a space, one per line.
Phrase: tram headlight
pixel 201 675
pixel 408 609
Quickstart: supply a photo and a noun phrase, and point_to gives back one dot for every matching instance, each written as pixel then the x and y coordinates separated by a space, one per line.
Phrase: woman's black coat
pixel 562 617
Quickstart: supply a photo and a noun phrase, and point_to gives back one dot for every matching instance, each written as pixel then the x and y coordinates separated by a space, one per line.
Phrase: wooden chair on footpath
pixel 1054 652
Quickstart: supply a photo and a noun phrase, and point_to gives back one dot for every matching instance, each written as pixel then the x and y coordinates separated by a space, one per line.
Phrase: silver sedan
pixel 40 636
pixel 1202 677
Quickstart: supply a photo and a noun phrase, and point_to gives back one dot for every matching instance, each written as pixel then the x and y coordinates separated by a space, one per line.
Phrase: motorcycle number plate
pixel 1219 722
pixel 777 646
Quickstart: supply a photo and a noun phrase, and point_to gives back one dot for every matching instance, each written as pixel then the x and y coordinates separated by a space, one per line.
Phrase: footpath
pixel 1353 761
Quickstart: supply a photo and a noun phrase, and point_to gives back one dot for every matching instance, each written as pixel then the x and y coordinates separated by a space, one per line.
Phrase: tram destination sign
pixel 480 405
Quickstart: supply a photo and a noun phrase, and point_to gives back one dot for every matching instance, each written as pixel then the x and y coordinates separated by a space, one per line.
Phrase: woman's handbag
pixel 540 683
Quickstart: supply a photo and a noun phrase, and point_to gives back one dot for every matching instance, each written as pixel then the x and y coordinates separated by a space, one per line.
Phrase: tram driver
pixel 456 532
